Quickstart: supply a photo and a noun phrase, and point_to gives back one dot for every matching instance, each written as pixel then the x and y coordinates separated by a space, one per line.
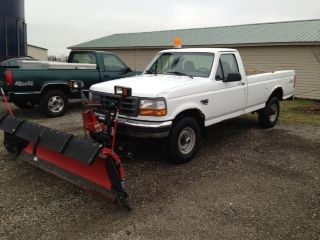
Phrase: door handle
pixel 241 84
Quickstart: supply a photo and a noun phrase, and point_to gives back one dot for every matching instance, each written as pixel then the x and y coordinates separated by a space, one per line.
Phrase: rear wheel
pixel 268 116
pixel 183 142
pixel 54 103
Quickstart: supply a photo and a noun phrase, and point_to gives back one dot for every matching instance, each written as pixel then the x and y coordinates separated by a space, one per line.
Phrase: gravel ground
pixel 245 183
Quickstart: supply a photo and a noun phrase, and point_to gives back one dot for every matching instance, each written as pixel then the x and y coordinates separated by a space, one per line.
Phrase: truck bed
pixel 261 85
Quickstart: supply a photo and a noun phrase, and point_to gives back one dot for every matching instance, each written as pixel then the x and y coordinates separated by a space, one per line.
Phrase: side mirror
pixel 233 77
pixel 76 85
pixel 127 70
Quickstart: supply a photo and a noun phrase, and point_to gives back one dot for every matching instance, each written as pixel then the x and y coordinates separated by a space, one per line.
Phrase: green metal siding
pixel 294 32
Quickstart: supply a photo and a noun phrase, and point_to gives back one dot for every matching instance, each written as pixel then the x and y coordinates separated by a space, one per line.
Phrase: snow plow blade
pixel 82 162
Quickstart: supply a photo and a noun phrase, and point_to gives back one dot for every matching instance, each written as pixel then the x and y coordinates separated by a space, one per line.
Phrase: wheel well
pixel 278 92
pixel 194 113
pixel 56 87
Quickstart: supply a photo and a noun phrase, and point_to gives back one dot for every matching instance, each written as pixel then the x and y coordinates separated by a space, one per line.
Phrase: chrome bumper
pixel 144 129
pixel 147 124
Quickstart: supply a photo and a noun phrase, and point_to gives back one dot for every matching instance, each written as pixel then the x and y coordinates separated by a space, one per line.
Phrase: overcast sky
pixel 61 23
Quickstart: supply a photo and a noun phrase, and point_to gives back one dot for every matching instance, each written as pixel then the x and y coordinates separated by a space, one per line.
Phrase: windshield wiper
pixel 179 74
pixel 149 71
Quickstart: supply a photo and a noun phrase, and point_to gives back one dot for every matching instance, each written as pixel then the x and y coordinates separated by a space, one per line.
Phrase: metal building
pixel 263 47
pixel 13 34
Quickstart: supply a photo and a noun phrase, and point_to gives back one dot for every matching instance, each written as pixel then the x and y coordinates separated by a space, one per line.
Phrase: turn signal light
pixel 153 112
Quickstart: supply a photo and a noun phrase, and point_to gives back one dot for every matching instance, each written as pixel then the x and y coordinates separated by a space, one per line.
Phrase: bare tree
pixel 52 58
pixel 61 58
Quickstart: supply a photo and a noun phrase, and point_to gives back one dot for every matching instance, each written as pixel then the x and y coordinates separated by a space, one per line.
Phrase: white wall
pixel 37 53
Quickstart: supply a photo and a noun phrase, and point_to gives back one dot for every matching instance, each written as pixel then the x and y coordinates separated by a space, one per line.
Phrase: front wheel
pixel 183 142
pixel 54 103
pixel 268 116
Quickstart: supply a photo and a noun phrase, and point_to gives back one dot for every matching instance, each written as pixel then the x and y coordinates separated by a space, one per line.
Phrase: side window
pixel 113 64
pixel 227 64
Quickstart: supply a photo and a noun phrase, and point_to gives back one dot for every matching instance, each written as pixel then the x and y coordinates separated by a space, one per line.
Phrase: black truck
pixel 48 87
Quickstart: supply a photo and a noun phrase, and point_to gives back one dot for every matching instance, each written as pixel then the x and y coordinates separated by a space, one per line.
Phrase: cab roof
pixel 207 50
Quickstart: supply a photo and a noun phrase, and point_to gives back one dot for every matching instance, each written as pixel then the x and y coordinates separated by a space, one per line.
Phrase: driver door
pixel 228 98
pixel 113 67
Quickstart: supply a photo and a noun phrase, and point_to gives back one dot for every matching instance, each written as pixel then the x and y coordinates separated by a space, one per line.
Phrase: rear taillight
pixel 9 78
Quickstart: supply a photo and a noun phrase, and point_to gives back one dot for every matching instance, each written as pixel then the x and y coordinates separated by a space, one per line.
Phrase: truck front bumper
pixel 144 129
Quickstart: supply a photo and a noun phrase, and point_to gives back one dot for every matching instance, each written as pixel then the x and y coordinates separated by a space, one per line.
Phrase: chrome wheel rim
pixel 56 104
pixel 187 140
pixel 274 112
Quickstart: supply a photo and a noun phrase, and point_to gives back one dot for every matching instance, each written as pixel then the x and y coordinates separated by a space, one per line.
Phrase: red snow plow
pixel 92 164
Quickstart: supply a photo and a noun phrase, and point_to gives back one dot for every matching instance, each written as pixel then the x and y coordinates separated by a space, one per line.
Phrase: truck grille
pixel 128 107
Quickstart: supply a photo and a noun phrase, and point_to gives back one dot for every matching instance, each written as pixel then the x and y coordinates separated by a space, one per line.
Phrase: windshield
pixel 183 63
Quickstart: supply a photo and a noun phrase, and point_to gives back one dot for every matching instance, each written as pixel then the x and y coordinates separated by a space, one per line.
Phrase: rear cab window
pixel 84 57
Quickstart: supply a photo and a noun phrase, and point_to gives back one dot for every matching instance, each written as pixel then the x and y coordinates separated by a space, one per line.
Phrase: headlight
pixel 153 107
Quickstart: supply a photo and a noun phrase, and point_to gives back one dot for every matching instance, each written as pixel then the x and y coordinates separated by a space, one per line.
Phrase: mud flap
pixel 79 161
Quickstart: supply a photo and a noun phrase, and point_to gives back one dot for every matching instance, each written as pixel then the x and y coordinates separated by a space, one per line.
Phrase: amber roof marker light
pixel 177 42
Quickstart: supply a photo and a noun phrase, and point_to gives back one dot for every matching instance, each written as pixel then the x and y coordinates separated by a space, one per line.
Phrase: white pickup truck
pixel 182 91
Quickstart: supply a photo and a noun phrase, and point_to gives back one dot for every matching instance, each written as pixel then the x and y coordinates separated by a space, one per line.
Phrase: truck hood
pixel 145 85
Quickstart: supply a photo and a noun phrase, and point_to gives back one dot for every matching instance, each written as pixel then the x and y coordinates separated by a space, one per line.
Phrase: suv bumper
pixel 144 129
